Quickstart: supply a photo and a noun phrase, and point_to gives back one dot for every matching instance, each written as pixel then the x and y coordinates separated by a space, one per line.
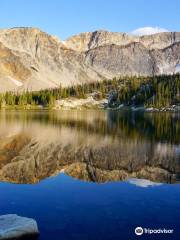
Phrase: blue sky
pixel 67 17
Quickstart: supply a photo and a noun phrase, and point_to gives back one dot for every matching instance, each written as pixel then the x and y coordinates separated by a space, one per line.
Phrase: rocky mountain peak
pixel 32 59
pixel 89 40
pixel 26 39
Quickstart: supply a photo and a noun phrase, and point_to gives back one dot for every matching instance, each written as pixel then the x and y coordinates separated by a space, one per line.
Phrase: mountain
pixel 32 59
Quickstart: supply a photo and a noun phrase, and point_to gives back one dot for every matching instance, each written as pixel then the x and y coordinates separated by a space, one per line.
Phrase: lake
pixel 91 174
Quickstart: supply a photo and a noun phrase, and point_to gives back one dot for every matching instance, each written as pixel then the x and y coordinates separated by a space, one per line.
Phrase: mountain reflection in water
pixel 96 146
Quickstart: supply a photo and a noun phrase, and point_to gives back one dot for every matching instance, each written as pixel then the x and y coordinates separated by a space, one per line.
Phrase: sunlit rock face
pixel 90 146
pixel 90 40
pixel 32 59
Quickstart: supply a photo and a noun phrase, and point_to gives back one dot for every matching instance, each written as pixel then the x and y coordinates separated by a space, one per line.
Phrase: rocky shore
pixel 173 108
pixel 75 103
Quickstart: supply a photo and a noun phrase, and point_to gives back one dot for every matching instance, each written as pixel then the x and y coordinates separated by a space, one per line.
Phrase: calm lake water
pixel 91 174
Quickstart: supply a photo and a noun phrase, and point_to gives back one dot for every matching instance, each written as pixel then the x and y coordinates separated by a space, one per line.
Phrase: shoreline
pixel 130 109
pixel 89 103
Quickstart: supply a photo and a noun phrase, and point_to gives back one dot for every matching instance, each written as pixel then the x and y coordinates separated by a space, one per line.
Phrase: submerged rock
pixel 13 226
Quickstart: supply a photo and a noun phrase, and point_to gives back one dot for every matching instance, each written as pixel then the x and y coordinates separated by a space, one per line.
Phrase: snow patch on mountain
pixel 177 68
pixel 16 82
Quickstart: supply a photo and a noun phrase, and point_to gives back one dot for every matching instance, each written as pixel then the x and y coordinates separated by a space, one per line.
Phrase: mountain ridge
pixel 34 60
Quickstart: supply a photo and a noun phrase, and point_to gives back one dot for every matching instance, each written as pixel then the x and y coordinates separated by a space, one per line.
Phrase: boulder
pixel 13 226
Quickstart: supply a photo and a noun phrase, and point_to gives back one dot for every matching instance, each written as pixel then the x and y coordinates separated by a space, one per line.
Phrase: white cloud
pixel 142 182
pixel 148 31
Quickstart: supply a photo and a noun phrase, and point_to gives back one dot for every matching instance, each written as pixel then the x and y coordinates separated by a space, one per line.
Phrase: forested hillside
pixel 158 91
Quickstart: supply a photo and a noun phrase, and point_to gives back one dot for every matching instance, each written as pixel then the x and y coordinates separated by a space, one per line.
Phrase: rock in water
pixel 13 226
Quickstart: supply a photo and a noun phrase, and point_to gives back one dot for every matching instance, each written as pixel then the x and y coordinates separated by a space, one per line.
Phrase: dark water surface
pixel 91 174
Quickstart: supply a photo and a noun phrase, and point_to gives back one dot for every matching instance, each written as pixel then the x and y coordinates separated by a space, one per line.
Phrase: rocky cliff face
pixel 31 59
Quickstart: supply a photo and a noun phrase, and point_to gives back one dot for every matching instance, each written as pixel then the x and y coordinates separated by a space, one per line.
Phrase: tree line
pixel 157 91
